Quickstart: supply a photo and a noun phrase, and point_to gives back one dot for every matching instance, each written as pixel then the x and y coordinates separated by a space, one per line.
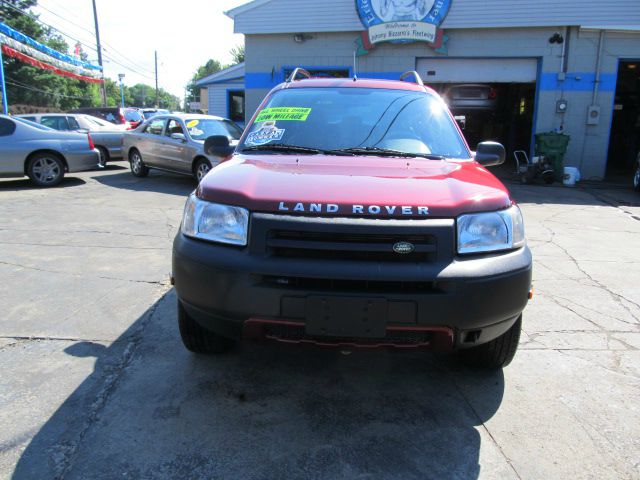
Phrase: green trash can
pixel 553 145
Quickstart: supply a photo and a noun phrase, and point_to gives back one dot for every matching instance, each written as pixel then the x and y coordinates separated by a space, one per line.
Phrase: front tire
pixel 201 168
pixel 198 339
pixel 138 168
pixel 45 169
pixel 496 354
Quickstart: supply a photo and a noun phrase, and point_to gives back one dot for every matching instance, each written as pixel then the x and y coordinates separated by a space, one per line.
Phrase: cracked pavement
pixel 96 384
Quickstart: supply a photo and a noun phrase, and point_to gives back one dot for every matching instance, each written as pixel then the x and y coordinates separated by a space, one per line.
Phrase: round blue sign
pixel 376 12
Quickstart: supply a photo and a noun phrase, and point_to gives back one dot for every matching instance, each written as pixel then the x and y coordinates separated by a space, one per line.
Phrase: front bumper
pixel 467 302
pixel 82 160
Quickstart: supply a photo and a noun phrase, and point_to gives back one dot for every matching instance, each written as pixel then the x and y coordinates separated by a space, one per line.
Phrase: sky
pixel 186 34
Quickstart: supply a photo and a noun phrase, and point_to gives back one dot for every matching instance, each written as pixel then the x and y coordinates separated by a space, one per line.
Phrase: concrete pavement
pixel 96 384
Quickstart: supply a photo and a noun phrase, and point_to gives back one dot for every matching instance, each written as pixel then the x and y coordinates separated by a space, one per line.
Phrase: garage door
pixel 478 70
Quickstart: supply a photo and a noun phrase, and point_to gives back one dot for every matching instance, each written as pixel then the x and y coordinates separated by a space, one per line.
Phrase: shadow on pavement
pixel 152 410
pixel 111 166
pixel 160 182
pixel 25 184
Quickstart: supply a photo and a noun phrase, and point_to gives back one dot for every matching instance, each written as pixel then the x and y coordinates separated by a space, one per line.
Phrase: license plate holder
pixel 346 316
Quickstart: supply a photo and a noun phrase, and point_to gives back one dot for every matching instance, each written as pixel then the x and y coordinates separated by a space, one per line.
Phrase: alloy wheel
pixel 136 163
pixel 46 170
pixel 202 170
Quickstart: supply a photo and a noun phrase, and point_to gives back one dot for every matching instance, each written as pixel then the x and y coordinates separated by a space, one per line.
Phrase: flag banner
pixel 10 52
pixel 20 37
pixel 32 52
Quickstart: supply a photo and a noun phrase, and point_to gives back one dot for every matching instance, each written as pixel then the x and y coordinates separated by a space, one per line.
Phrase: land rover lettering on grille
pixel 388 210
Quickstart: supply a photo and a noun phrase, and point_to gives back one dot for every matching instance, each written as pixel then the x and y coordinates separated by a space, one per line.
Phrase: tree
pixel 193 92
pixel 237 53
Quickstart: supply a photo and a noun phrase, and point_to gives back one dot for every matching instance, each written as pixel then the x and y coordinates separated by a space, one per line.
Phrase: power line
pixel 39 5
pixel 36 19
pixel 111 49
pixel 108 57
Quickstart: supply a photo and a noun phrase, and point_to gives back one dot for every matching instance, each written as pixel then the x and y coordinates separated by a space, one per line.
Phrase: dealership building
pixel 570 66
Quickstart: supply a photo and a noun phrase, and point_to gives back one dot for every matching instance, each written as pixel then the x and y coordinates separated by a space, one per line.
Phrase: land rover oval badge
pixel 403 247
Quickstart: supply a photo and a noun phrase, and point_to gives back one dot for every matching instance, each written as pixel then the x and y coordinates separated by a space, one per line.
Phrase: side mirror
pixel 489 154
pixel 179 136
pixel 218 146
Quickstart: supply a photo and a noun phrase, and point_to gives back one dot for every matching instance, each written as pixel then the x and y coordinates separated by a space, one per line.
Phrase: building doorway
pixel 624 142
pixel 494 98
pixel 502 112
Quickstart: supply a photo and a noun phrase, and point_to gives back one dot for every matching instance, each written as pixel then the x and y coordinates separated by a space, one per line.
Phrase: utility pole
pixel 156 62
pixel 3 88
pixel 120 77
pixel 99 48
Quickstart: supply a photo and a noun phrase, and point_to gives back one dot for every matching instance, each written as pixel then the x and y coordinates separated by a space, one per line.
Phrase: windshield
pixel 33 124
pixel 133 116
pixel 330 119
pixel 202 128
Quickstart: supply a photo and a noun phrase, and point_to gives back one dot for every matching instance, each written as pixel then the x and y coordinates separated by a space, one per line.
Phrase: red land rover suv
pixel 352 213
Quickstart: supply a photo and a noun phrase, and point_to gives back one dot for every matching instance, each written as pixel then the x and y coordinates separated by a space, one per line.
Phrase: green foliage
pixel 193 92
pixel 28 85
pixel 237 53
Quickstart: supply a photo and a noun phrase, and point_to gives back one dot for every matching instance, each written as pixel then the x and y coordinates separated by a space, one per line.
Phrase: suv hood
pixel 345 186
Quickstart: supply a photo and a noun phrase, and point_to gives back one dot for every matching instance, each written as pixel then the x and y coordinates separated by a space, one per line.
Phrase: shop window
pixel 235 101
pixel 322 72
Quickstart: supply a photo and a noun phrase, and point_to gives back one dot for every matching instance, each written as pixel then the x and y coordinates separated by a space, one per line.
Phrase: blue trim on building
pixel 548 81
pixel 316 67
pixel 577 82
pixel 268 80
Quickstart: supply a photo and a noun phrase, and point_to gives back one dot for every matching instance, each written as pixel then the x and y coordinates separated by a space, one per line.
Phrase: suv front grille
pixel 372 246
pixel 344 239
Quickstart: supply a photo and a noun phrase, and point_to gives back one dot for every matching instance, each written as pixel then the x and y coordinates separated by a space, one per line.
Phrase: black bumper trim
pixel 222 287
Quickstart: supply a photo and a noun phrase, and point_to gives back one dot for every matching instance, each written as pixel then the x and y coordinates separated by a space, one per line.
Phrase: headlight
pixel 492 231
pixel 215 222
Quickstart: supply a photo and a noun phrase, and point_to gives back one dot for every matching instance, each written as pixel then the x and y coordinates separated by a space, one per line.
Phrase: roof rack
pixel 295 73
pixel 416 76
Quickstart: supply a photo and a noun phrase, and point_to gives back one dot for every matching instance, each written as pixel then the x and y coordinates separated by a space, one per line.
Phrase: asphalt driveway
pixel 96 384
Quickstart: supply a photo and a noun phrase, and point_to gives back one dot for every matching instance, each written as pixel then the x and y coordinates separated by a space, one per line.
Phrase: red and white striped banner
pixel 13 53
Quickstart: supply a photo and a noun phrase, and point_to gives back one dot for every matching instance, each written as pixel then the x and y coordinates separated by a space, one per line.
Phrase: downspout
pixel 563 61
pixel 596 85
pixel 562 74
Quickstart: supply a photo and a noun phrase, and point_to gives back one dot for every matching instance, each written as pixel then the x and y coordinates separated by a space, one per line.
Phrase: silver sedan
pixel 175 143
pixel 107 137
pixel 41 153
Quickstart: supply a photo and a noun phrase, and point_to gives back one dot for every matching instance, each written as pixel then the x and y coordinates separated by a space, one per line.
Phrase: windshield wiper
pixel 283 147
pixel 387 152
pixel 280 147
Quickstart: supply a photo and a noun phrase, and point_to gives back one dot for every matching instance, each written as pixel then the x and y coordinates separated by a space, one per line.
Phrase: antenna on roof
pixel 355 65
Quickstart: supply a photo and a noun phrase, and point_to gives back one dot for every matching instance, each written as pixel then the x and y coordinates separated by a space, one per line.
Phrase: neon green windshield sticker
pixel 283 113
